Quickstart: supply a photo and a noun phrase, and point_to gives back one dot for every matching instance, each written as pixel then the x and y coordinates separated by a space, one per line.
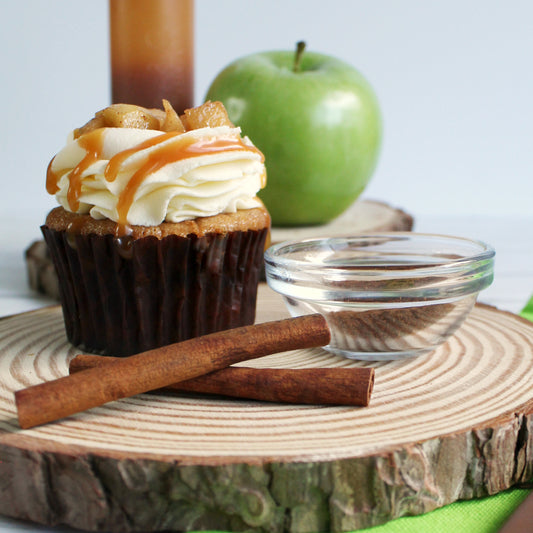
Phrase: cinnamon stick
pixel 316 386
pixel 163 366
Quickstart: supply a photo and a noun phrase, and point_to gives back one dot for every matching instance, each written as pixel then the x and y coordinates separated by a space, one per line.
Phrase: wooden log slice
pixel 453 424
pixel 364 216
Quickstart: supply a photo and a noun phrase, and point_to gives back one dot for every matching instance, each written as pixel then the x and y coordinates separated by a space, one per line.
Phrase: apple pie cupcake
pixel 159 236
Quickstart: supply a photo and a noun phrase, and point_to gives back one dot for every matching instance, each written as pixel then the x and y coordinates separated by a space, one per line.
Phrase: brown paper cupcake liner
pixel 124 296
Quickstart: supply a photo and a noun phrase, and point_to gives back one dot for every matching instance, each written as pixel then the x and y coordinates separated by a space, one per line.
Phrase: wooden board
pixel 364 216
pixel 453 424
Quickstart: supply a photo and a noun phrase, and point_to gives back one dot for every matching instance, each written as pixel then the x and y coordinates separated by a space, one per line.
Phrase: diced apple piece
pixel 129 116
pixel 171 121
pixel 208 115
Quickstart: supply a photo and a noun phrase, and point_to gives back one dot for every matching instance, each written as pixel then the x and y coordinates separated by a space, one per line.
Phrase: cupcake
pixel 159 236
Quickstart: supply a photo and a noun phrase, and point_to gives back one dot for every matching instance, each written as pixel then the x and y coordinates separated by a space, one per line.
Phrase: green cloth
pixel 485 515
pixel 527 312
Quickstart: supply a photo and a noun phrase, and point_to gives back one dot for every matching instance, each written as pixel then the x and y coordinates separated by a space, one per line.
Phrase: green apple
pixel 318 123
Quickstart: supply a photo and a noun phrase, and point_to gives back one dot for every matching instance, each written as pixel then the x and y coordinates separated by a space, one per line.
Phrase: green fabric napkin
pixel 485 515
pixel 527 312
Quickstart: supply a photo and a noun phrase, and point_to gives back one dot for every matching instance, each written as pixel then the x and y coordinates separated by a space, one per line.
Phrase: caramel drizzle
pixel 164 154
pixel 92 143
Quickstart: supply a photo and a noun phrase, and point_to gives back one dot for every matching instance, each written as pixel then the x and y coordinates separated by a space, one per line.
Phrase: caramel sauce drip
pixel 74 227
pixel 52 178
pixel 92 142
pixel 164 153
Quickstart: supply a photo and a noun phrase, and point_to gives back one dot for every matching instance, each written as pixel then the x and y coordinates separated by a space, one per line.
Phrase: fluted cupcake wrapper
pixel 122 296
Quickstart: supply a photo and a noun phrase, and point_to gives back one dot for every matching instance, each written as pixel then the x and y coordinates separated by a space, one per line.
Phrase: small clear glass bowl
pixel 385 296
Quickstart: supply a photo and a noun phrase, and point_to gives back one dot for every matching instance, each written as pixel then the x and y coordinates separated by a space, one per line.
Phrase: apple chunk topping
pixel 208 115
pixel 171 121
pixel 120 116
pixel 129 116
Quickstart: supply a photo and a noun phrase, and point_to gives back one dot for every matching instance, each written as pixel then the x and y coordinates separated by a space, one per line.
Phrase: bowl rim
pixel 274 260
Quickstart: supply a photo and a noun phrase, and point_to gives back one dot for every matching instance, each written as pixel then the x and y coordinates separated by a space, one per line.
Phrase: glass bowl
pixel 385 296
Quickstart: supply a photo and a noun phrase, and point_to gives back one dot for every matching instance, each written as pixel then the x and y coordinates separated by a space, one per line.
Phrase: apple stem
pixel 300 47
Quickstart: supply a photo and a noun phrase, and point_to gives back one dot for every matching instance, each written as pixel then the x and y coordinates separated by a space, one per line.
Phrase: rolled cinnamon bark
pixel 163 366
pixel 318 386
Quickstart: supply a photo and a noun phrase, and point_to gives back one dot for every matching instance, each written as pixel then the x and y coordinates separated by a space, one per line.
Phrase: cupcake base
pixel 122 296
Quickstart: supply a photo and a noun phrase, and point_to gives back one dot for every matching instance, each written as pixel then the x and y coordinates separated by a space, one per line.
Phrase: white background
pixel 454 79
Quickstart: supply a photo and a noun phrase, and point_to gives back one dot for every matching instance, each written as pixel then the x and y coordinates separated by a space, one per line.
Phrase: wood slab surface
pixel 453 424
pixel 364 216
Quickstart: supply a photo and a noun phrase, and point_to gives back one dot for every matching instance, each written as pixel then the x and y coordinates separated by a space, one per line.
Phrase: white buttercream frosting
pixel 199 173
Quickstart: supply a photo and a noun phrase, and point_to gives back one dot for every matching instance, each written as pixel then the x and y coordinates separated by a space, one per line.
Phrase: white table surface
pixel 512 237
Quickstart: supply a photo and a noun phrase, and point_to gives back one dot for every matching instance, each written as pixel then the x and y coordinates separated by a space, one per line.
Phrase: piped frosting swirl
pixel 145 177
